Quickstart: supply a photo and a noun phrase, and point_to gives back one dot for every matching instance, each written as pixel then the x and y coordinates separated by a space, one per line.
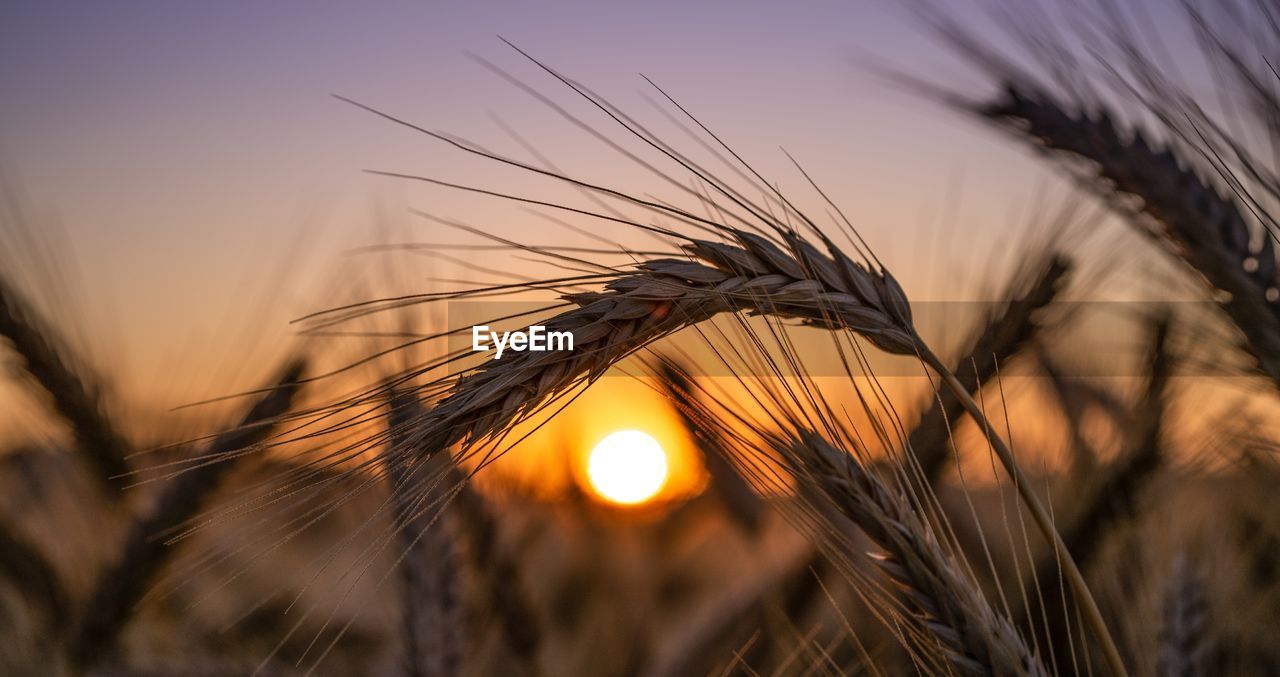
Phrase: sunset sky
pixel 206 181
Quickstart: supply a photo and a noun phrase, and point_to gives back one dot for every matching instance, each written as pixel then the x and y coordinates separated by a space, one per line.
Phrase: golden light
pixel 627 467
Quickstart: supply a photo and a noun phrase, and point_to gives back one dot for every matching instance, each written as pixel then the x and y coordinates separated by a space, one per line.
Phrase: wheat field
pixel 760 449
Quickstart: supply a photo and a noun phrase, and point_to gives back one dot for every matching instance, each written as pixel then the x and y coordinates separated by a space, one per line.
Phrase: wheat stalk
pixel 1207 230
pixel 659 296
pixel 74 397
pixel 1112 499
pixel 1002 336
pixel 976 640
pixel 752 274
pixel 501 580
pixel 745 506
pixel 123 584
pixel 1114 496
pixel 1073 398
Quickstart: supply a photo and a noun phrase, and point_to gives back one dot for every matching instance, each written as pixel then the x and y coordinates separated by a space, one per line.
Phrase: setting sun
pixel 627 467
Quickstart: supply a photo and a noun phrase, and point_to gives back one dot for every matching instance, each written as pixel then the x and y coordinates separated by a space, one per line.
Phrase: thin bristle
pixel 1002 336
pixel 745 506
pixel 428 565
pixel 1113 497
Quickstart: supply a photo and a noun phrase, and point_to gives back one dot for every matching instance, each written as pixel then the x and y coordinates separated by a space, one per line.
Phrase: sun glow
pixel 627 467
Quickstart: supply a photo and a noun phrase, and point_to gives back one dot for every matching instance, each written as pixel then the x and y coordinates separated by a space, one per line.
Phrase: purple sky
pixel 188 147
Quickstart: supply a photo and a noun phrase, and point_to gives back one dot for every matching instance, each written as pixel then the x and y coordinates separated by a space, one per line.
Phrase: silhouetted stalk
pixel 68 386
pixel 123 583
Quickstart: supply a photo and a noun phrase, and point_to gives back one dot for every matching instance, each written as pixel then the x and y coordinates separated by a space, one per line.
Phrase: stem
pixel 1092 615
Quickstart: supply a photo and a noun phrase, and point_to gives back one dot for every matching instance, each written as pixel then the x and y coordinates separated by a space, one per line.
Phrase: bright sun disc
pixel 627 467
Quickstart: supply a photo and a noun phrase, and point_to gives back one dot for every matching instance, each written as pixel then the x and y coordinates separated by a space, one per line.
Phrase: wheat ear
pixel 429 569
pixel 1206 229
pixel 754 275
pixel 501 580
pixel 1002 336
pixel 123 584
pixel 975 639
pixel 428 566
pixel 661 296
pixel 49 362
pixel 1183 629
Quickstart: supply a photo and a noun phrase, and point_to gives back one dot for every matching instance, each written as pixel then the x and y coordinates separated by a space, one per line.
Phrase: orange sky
pixel 209 189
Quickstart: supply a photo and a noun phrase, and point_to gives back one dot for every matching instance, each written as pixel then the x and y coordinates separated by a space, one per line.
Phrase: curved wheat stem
pixel 1044 521
pixel 755 275
pixel 787 278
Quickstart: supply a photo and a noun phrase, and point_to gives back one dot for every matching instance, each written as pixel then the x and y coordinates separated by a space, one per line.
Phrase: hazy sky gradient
pixel 189 147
